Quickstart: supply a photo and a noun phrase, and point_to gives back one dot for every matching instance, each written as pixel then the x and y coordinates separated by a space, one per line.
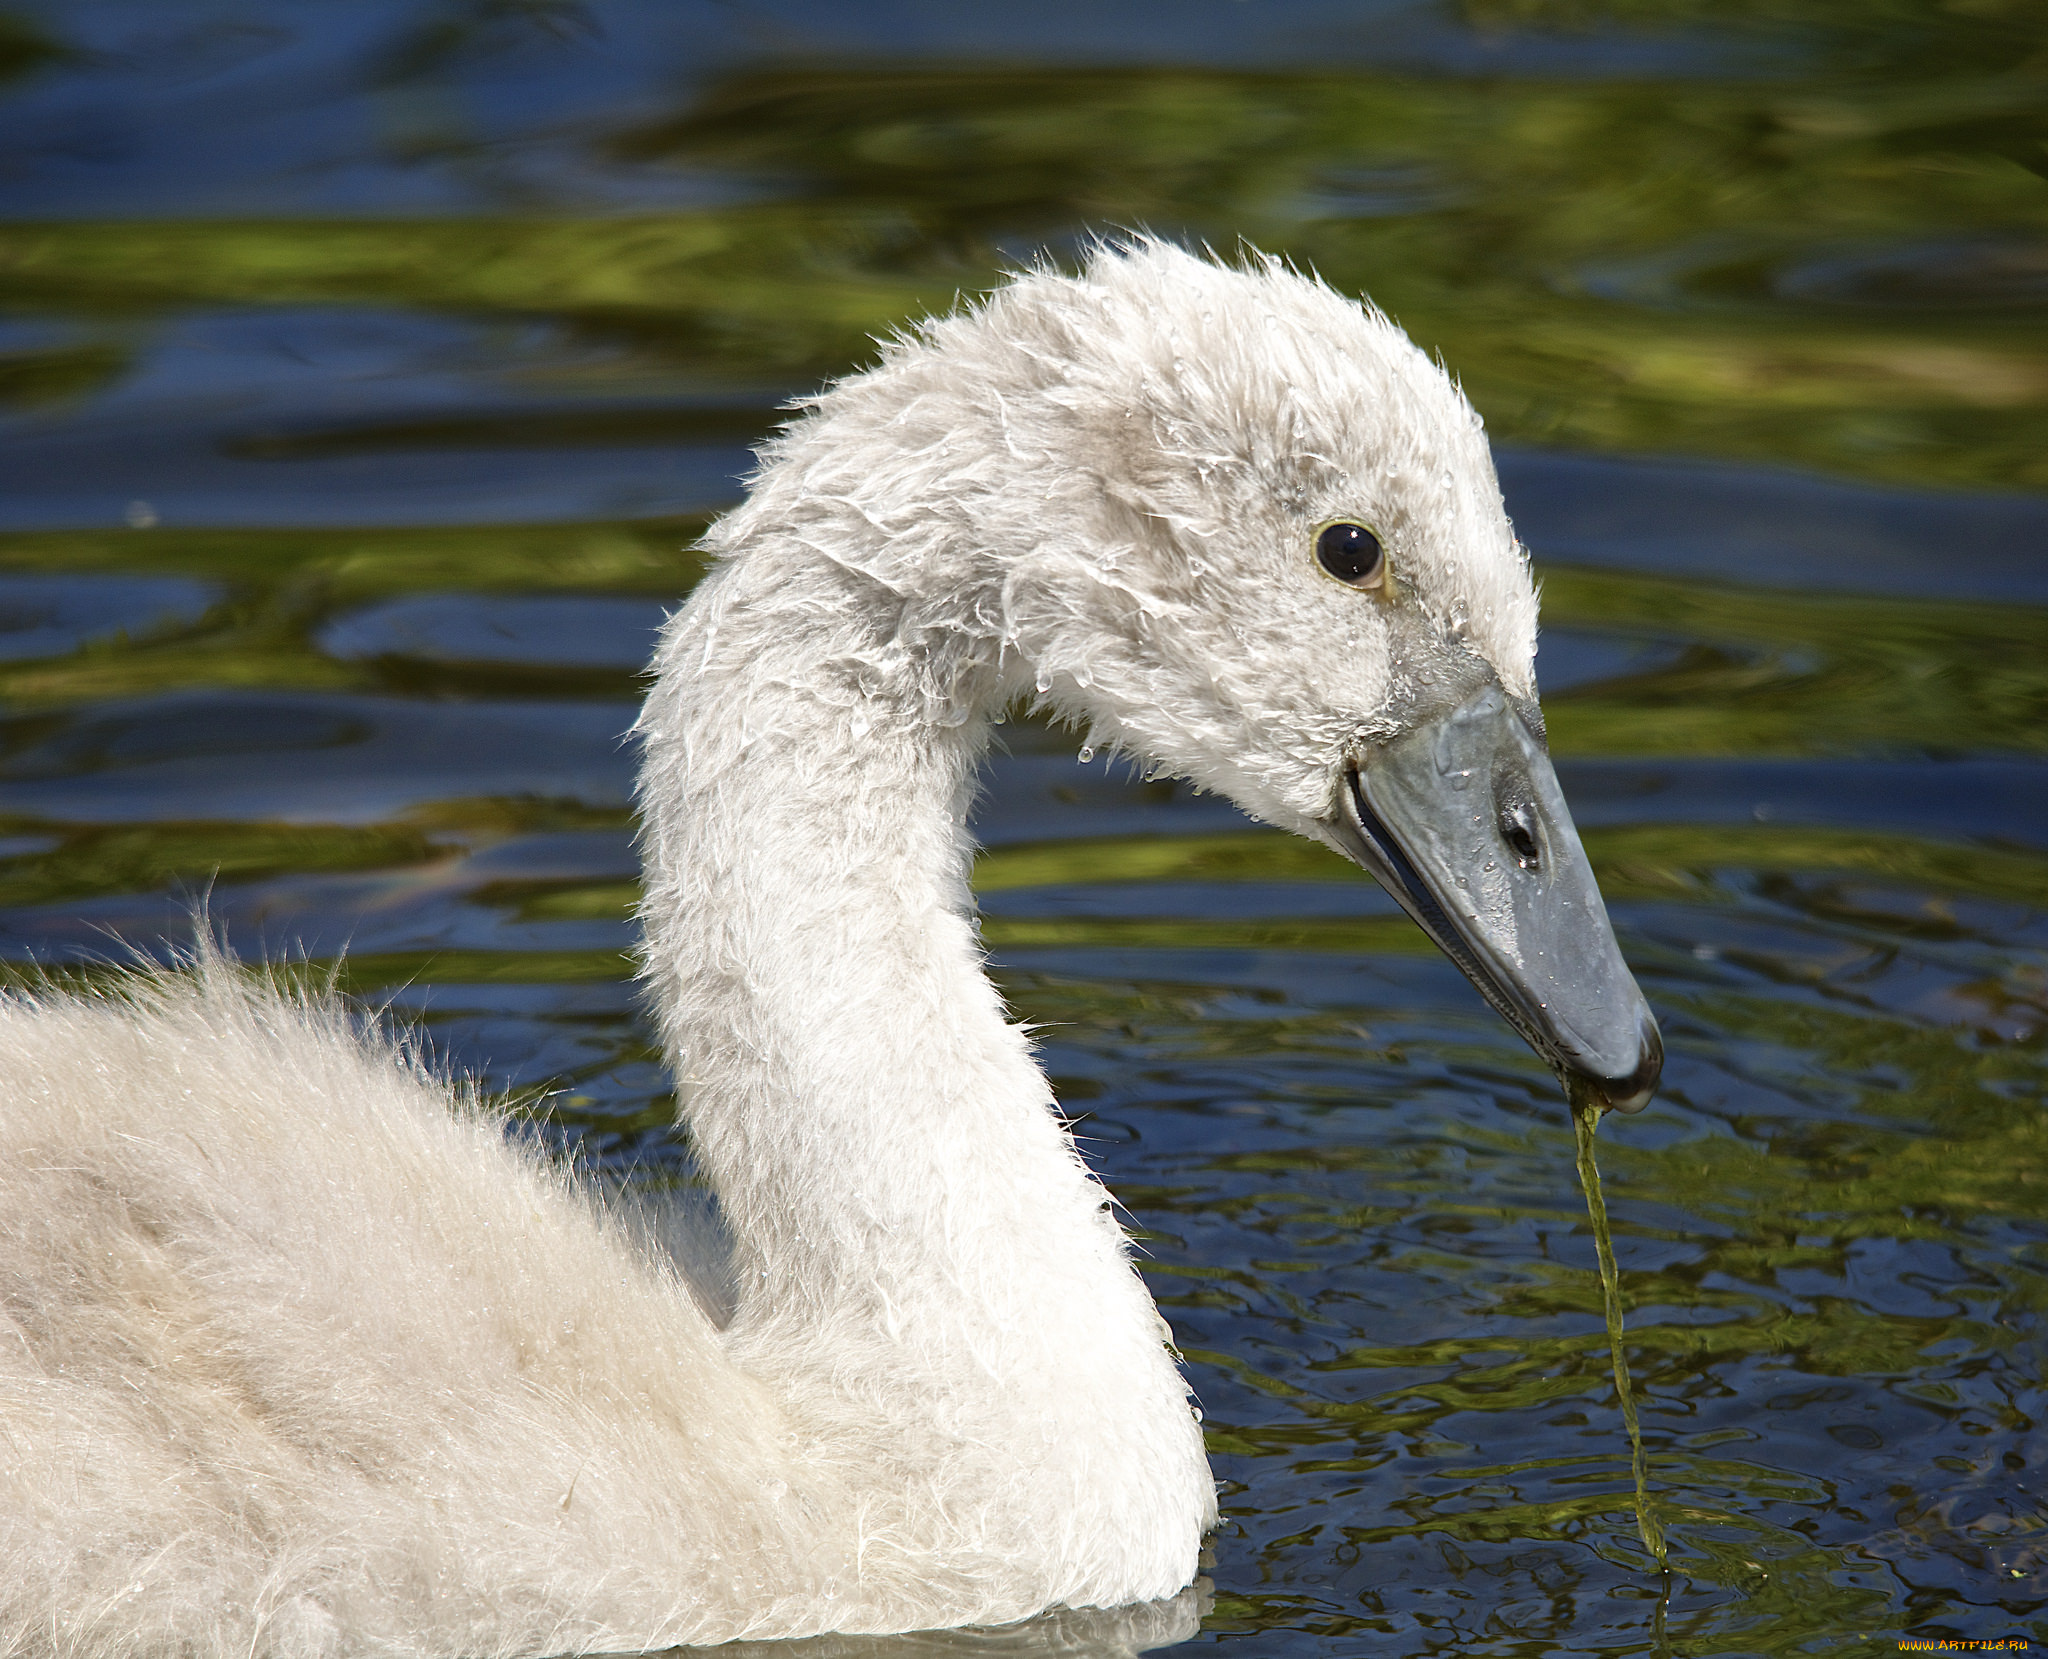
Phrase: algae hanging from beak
pixel 1585 1120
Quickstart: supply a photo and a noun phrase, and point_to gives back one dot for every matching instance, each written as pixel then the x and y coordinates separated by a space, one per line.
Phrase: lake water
pixel 366 370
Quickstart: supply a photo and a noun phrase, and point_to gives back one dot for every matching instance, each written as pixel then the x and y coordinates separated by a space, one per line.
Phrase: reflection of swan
pixel 294 1359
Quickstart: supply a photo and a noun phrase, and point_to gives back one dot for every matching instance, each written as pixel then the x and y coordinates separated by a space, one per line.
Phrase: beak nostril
pixel 1518 830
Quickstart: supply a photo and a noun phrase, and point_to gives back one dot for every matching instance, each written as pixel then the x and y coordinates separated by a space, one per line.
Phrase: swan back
pixel 297 1359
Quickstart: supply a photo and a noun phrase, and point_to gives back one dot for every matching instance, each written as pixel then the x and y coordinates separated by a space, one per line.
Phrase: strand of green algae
pixel 1585 1118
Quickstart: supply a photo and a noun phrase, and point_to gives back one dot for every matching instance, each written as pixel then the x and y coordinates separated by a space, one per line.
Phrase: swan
pixel 301 1355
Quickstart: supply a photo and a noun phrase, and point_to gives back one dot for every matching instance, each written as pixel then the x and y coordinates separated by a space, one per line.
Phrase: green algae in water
pixel 1585 1120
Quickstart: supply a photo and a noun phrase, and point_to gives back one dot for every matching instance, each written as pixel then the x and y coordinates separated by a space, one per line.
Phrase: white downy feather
pixel 298 1355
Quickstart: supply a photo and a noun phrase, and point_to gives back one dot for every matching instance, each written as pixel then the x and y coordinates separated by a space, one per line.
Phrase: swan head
pixel 1229 521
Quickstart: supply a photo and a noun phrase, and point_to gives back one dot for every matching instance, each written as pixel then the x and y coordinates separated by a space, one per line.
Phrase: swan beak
pixel 1461 819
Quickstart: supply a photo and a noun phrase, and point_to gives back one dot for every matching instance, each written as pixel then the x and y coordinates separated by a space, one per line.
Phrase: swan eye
pixel 1351 553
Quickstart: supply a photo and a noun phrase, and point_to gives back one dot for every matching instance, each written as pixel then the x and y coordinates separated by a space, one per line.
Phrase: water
pixel 365 371
pixel 1585 1124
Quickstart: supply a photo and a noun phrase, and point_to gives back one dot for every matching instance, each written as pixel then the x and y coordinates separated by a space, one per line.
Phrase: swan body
pixel 299 1355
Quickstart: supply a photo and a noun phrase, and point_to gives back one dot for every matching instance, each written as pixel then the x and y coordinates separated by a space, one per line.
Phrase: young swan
pixel 299 1356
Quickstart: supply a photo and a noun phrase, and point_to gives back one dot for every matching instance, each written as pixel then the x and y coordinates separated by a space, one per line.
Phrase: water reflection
pixel 1976 275
pixel 1841 196
pixel 53 616
pixel 1069 1633
pixel 1965 274
pixel 535 631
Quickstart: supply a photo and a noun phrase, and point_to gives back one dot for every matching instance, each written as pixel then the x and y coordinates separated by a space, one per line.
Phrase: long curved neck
pixel 843 1066
pixel 915 1237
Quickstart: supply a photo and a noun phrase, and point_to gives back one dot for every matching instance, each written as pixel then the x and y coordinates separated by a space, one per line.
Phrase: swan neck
pixel 882 1142
pixel 922 1264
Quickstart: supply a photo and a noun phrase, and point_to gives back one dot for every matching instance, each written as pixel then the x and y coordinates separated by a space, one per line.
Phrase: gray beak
pixel 1462 821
